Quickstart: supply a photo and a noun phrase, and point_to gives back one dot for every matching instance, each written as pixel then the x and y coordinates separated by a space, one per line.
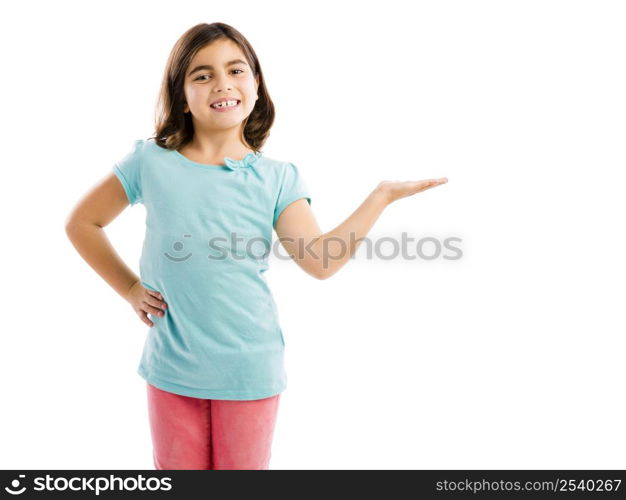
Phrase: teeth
pixel 224 104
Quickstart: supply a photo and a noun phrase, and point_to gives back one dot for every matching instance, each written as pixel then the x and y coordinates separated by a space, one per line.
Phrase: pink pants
pixel 210 434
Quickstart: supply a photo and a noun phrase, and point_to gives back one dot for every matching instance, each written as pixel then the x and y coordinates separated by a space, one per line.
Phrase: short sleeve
pixel 128 171
pixel 292 188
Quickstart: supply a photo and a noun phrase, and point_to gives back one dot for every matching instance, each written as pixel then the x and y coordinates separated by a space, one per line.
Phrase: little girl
pixel 213 356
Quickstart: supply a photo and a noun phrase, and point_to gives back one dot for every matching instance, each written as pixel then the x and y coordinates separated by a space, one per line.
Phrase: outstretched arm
pixel 322 254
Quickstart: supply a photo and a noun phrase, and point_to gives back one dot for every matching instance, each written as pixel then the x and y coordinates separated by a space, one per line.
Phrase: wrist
pixel 126 295
pixel 382 194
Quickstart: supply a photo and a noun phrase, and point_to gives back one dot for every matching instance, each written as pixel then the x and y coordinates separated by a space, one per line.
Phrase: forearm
pixel 92 244
pixel 335 248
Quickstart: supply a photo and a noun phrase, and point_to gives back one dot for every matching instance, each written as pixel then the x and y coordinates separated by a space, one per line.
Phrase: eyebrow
pixel 208 66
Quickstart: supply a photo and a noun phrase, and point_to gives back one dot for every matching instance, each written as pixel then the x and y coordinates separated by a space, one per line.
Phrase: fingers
pixel 153 301
pixel 443 180
pixel 144 317
pixel 154 294
pixel 430 183
pixel 155 311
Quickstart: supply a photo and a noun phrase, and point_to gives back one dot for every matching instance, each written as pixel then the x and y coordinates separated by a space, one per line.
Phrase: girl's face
pixel 216 71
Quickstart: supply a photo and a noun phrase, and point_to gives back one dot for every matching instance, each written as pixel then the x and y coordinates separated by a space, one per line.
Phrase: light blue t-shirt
pixel 206 248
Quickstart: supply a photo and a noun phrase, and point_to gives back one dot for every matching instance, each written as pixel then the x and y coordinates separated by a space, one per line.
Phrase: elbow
pixel 72 220
pixel 69 225
pixel 314 272
pixel 320 274
pixel 76 221
pixel 71 232
pixel 72 225
pixel 315 268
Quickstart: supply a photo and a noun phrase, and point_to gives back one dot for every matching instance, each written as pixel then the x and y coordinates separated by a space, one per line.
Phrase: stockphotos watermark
pixel 236 246
pixel 94 485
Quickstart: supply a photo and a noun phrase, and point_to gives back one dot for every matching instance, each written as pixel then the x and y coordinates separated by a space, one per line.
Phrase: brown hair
pixel 173 127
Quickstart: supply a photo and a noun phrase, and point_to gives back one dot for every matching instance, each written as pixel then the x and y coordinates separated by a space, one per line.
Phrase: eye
pixel 200 77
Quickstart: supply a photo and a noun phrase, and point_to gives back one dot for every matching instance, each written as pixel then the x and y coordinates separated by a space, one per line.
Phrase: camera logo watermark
pixel 15 484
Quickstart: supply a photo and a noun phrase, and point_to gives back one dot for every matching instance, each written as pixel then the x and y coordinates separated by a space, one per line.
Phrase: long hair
pixel 173 127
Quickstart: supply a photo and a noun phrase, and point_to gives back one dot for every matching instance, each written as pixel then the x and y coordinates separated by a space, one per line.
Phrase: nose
pixel 221 82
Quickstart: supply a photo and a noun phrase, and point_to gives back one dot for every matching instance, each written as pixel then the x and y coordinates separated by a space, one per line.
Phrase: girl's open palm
pixel 146 302
pixel 395 190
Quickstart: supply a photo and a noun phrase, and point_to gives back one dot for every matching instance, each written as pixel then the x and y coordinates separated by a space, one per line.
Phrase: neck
pixel 218 144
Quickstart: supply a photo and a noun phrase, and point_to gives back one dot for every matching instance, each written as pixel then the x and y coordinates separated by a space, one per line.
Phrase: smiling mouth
pixel 223 107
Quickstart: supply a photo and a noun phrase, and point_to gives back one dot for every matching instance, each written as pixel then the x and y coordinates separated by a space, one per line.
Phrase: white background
pixel 510 357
